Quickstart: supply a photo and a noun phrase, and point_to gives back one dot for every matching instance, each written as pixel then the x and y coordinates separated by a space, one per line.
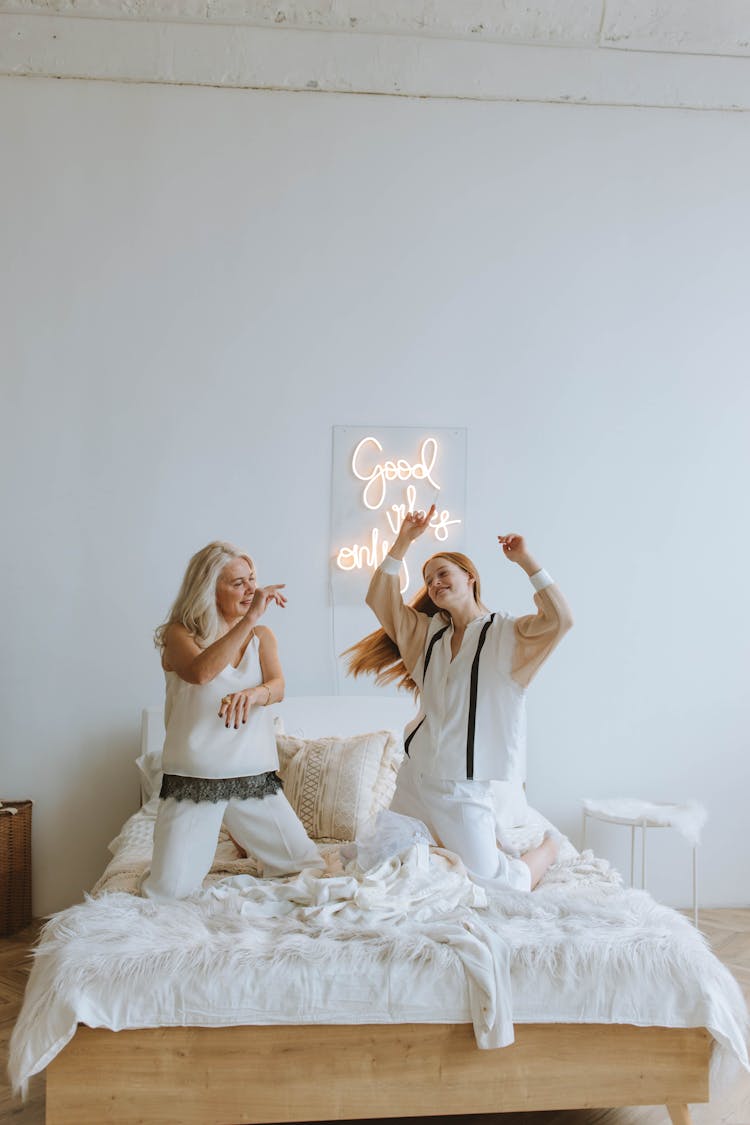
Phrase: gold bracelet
pixel 268 697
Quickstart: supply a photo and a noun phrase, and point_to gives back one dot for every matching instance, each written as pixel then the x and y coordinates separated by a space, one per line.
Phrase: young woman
pixel 471 669
pixel 222 670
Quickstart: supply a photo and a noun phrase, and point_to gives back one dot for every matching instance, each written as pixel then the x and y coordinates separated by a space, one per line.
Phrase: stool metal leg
pixel 632 856
pixel 695 885
pixel 643 855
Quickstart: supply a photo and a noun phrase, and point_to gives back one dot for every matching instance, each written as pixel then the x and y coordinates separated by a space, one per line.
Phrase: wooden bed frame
pixel 254 1075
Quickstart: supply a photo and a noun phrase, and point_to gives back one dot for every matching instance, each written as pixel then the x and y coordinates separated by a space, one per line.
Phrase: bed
pixel 388 988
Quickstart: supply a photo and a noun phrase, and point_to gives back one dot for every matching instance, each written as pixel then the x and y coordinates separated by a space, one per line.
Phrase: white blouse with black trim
pixel 472 718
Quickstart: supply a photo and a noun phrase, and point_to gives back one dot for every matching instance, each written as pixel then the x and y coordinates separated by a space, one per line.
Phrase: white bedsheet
pixel 410 941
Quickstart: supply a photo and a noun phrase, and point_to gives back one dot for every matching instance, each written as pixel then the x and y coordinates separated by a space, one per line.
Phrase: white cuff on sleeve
pixel 390 565
pixel 541 580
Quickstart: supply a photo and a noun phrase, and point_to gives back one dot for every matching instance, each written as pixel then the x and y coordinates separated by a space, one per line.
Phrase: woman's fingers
pixel 274 594
pixel 416 522
pixel 235 709
pixel 511 542
pixel 264 595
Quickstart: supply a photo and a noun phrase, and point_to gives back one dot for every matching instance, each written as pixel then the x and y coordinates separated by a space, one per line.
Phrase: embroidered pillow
pixel 336 785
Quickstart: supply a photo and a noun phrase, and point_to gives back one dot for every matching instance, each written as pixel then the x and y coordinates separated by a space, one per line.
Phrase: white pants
pixel 461 816
pixel 186 833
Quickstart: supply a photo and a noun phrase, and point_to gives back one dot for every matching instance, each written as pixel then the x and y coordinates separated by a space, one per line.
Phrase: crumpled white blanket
pixel 687 819
pixel 421 888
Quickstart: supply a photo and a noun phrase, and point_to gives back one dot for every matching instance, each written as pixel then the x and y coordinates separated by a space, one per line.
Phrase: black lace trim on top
pixel 215 789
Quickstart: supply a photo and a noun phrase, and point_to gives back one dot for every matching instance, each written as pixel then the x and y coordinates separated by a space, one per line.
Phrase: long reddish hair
pixel 377 653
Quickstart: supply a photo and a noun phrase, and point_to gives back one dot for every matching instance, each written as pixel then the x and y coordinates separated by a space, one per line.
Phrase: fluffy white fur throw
pixel 687 819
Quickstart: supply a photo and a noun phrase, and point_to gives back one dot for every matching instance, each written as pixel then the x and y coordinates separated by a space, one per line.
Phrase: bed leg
pixel 679 1114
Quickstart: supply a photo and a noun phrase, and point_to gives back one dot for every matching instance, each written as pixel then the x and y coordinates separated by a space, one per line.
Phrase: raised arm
pixel 406 626
pixel 198 665
pixel 536 634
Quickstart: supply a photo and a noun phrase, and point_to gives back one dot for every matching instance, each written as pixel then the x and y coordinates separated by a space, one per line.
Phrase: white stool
pixel 686 819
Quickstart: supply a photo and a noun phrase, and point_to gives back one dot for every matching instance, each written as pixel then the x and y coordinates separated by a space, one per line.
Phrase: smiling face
pixel 447 584
pixel 234 590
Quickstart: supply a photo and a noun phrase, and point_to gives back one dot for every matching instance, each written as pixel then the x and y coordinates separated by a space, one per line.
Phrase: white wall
pixel 199 283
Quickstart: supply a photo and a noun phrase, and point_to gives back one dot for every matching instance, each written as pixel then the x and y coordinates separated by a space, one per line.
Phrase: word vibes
pixel 376 476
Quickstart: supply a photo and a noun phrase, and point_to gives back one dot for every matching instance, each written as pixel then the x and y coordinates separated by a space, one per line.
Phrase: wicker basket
pixel 15 866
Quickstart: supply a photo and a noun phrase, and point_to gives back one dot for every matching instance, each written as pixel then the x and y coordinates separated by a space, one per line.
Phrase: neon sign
pixel 380 474
pixel 376 476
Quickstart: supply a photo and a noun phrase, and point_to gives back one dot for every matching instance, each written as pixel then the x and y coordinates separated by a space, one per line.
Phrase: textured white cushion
pixel 337 785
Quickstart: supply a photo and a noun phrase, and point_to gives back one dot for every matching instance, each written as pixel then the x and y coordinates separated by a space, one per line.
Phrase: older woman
pixel 222 670
pixel 465 750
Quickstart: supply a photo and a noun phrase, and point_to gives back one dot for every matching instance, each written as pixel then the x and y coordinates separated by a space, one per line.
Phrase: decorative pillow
pixel 337 785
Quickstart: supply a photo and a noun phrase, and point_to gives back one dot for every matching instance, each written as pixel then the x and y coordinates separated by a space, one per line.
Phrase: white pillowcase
pixel 338 785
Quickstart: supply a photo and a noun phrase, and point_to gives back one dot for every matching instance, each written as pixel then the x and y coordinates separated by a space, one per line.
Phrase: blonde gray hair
pixel 195 605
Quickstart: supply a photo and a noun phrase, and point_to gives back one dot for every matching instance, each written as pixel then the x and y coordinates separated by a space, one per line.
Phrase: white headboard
pixel 311 716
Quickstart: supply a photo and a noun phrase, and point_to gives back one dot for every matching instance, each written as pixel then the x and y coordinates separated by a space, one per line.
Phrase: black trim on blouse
pixel 214 789
pixel 473 700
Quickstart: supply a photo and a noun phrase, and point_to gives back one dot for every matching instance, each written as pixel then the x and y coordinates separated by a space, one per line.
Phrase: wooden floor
pixel 727 930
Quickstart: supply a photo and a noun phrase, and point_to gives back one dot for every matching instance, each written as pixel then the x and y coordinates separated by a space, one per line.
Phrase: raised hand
pixel 414 525
pixel 263 597
pixel 513 545
pixel 514 549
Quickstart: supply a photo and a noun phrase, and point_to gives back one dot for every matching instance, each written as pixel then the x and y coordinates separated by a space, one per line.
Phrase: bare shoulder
pixel 178 634
pixel 176 630
pixel 179 645
pixel 265 635
pixel 179 639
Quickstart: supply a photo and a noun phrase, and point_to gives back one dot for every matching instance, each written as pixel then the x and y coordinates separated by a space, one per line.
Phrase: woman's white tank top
pixel 197 743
